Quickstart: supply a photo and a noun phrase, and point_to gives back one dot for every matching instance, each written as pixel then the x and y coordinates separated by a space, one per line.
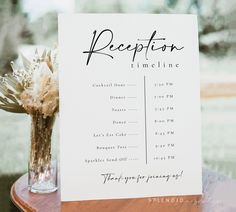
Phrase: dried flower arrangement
pixel 33 89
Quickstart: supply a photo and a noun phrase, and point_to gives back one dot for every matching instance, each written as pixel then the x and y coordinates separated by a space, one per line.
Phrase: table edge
pixel 18 202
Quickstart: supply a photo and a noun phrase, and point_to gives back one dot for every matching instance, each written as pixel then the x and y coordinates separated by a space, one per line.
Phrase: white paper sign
pixel 129 106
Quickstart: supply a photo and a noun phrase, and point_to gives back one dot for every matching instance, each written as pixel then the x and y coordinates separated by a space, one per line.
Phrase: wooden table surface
pixel 213 184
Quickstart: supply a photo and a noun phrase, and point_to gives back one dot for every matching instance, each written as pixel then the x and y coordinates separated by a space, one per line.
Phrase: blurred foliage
pixel 171 3
pixel 215 23
pixel 13 32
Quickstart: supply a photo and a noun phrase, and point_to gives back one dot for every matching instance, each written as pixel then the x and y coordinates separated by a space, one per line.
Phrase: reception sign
pixel 129 106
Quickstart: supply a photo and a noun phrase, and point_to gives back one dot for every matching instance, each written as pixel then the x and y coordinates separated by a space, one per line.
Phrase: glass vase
pixel 42 166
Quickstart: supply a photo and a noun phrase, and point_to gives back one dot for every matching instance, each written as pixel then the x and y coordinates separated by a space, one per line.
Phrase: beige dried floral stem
pixel 33 89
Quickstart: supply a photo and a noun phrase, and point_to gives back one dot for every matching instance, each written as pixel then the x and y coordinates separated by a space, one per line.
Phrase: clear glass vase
pixel 42 166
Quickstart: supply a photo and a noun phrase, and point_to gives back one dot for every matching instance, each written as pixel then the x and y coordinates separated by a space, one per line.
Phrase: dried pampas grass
pixel 33 88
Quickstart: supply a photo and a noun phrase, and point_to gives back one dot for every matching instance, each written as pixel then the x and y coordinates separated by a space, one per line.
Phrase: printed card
pixel 129 106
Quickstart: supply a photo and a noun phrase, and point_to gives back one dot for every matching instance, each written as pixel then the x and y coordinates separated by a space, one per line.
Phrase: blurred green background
pixel 29 24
